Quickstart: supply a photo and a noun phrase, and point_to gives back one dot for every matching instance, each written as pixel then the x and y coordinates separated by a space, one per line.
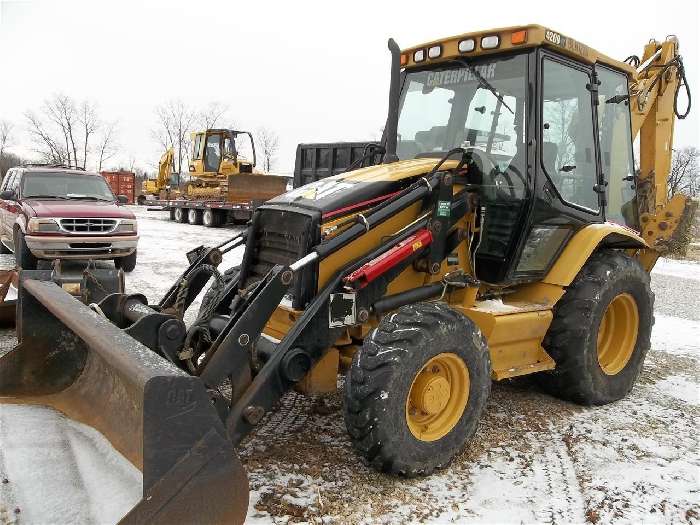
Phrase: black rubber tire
pixel 172 214
pixel 194 216
pixel 23 256
pixel 572 337
pixel 141 200
pixel 180 215
pixel 127 263
pixel 211 218
pixel 381 375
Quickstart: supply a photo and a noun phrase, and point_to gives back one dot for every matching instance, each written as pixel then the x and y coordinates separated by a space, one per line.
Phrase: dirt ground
pixel 535 459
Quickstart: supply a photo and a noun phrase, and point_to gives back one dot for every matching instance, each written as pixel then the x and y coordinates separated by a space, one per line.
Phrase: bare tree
pixel 175 120
pixel 106 146
pixel 5 135
pixel 684 176
pixel 61 110
pixel 268 143
pixel 49 146
pixel 208 117
pixel 90 123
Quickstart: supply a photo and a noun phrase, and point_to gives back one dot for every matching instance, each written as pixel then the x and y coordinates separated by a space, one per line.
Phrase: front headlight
pixel 42 225
pixel 127 226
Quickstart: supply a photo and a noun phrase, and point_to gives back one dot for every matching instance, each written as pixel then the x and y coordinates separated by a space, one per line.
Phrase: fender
pixel 584 243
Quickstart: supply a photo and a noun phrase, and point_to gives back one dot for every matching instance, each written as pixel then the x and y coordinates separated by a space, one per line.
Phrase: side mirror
pixel 8 195
pixel 122 199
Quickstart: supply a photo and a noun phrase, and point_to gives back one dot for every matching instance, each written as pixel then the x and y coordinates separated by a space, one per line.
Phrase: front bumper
pixel 81 247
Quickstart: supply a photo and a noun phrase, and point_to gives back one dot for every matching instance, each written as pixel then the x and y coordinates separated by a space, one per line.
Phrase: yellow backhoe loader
pixel 504 233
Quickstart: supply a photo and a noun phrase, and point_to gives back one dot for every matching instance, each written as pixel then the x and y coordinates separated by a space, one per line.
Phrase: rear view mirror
pixel 122 199
pixel 8 195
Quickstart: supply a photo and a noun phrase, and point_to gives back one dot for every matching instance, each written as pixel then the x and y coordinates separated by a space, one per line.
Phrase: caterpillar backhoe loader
pixel 504 233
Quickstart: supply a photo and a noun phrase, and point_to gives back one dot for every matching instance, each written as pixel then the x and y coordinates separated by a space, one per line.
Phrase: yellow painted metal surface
pixel 323 377
pixel 581 246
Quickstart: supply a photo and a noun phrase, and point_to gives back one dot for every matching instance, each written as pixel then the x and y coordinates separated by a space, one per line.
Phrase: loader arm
pixel 654 107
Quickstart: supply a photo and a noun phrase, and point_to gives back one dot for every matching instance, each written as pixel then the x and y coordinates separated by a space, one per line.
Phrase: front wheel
pixel 416 389
pixel 141 200
pixel 601 331
pixel 127 263
pixel 23 256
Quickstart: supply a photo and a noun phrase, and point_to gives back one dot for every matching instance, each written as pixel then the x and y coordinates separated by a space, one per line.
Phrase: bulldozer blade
pixel 247 188
pixel 161 419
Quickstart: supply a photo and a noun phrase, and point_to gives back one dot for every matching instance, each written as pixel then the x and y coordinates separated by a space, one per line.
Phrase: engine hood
pixel 76 208
pixel 356 189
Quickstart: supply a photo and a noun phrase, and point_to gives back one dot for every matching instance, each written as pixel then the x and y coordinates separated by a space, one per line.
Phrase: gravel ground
pixel 535 459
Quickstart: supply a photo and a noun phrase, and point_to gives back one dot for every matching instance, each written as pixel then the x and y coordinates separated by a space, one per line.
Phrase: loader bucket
pixel 158 417
pixel 247 188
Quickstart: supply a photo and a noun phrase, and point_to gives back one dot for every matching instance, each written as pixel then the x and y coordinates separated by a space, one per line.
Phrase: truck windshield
pixel 65 186
pixel 477 106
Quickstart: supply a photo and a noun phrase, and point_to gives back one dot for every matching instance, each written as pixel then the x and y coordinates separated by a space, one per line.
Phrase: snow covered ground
pixel 535 459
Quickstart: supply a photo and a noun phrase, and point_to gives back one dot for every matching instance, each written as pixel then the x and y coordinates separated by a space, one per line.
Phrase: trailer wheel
pixel 194 216
pixel 172 214
pixel 601 331
pixel 180 215
pixel 416 389
pixel 211 218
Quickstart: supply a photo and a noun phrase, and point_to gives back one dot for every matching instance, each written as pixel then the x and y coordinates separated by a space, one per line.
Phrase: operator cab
pixel 222 151
pixel 547 134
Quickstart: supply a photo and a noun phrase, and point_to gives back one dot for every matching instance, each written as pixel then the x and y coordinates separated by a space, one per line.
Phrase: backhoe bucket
pixel 161 419
pixel 247 188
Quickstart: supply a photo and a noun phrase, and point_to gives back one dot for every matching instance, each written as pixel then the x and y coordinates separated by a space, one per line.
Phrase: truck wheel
pixel 172 214
pixel 211 218
pixel 601 331
pixel 141 200
pixel 180 215
pixel 127 263
pixel 194 216
pixel 416 389
pixel 23 256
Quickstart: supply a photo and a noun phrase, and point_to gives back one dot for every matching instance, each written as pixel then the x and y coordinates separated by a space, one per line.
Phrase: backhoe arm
pixel 653 97
pixel 165 168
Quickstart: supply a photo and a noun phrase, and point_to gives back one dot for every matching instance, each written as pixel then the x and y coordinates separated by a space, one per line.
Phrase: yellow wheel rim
pixel 437 397
pixel 617 334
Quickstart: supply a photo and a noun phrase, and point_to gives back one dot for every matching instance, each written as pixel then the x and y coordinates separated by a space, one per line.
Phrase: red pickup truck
pixel 49 212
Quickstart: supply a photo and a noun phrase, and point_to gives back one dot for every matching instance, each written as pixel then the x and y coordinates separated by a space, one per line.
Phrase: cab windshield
pixel 479 106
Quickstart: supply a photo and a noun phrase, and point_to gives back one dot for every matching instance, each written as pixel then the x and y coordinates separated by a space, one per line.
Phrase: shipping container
pixel 122 183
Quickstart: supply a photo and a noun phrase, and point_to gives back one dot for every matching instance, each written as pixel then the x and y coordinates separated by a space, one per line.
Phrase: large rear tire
pixel 601 331
pixel 416 389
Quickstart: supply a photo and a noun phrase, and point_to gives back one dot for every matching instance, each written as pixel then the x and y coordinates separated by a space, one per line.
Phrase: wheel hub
pixel 437 397
pixel 617 334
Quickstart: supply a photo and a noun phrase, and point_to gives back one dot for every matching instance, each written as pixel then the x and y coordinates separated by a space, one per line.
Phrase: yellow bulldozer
pixel 505 232
pixel 217 156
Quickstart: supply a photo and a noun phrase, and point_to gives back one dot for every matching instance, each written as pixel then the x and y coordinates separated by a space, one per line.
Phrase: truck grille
pixel 88 225
pixel 282 237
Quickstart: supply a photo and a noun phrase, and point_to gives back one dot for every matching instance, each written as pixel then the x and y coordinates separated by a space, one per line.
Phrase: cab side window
pixel 568 142
pixel 617 159
pixel 197 147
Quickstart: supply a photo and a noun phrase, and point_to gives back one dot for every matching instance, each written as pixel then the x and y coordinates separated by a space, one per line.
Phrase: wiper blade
pixel 485 83
pixel 77 196
pixel 62 197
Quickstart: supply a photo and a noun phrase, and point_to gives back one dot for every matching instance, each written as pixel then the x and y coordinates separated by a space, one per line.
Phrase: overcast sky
pixel 311 71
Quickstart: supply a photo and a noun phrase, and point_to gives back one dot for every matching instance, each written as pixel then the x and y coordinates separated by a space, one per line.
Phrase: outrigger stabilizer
pixel 177 400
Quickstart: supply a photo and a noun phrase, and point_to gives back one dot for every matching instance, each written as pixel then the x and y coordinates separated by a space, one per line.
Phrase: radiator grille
pixel 88 225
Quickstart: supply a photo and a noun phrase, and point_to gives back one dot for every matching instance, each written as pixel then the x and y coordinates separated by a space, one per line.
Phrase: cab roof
pixel 508 38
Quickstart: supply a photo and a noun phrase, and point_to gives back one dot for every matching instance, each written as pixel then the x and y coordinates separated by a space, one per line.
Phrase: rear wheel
pixel 601 331
pixel 211 218
pixel 23 256
pixel 194 216
pixel 416 389
pixel 127 263
pixel 180 215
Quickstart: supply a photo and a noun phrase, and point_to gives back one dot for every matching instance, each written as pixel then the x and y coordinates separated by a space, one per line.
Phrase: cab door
pixel 569 188
pixel 196 161
pixel 213 152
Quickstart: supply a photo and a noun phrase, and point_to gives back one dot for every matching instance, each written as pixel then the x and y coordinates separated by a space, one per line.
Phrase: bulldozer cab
pixel 222 152
pixel 548 137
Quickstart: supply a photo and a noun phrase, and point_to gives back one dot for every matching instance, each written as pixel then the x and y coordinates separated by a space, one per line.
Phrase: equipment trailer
pixel 505 234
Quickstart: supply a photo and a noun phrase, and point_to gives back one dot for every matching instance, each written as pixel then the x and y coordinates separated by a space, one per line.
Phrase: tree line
pixel 72 132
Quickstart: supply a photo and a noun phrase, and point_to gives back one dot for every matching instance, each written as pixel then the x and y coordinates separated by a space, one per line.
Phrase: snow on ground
pixel 535 459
